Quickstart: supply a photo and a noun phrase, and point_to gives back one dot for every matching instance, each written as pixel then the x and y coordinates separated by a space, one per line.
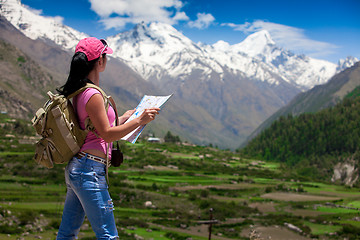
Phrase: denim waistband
pixel 86 162
pixel 91 157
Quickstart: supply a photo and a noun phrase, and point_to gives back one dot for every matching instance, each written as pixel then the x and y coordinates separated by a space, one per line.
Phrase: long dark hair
pixel 80 68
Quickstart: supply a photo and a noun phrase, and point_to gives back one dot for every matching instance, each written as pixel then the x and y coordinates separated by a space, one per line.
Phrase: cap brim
pixel 108 50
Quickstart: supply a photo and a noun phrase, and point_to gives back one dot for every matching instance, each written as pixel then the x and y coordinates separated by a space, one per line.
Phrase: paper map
pixel 146 102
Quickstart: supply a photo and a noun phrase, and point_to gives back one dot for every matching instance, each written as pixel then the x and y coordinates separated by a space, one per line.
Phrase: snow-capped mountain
pixel 295 69
pixel 35 26
pixel 348 62
pixel 158 51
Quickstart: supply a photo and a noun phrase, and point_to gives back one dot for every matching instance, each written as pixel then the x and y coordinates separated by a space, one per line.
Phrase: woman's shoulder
pixel 91 91
pixel 87 94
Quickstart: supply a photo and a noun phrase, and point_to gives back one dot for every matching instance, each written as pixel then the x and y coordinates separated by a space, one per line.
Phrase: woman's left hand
pixel 126 116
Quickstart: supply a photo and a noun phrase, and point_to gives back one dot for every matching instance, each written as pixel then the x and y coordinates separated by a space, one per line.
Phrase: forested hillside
pixel 312 139
pixel 318 98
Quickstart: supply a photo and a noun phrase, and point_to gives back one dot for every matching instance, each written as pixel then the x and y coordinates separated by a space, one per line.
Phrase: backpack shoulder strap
pixel 108 101
pixel 88 85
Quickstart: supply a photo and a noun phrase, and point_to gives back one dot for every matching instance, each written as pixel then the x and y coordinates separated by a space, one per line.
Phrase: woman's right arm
pixel 98 116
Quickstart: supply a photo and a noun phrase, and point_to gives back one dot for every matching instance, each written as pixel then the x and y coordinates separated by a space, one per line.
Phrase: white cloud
pixel 117 13
pixel 33 10
pixel 57 19
pixel 181 16
pixel 203 21
pixel 288 37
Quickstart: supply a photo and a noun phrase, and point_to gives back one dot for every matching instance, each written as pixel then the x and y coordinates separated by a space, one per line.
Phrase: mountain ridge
pixel 257 46
pixel 35 26
pixel 157 49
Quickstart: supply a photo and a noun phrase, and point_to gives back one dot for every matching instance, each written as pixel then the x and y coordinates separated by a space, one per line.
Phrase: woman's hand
pixel 126 116
pixel 148 115
pixel 98 116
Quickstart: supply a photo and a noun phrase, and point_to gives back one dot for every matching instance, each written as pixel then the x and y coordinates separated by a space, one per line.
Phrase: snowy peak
pixel 157 34
pixel 348 62
pixel 255 43
pixel 261 38
pixel 141 33
pixel 222 46
pixel 35 26
pixel 155 50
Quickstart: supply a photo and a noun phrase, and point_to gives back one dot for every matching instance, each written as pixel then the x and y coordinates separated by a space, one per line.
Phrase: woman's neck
pixel 94 77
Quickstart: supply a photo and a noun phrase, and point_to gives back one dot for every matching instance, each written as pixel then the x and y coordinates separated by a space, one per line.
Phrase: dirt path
pixel 220 186
pixel 201 231
pixel 272 232
pixel 228 199
pixel 305 212
pixel 265 207
pixel 296 197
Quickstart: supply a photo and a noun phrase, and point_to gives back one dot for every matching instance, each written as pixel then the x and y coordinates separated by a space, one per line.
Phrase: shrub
pixel 125 222
pixel 54 224
pixel 204 193
pixel 192 196
pixel 204 204
pixel 350 229
pixel 6 229
pixel 175 236
pixel 21 59
pixel 27 217
pixel 154 187
pixel 268 189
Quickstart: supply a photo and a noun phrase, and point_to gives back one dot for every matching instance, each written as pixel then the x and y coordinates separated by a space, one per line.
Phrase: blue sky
pixel 323 29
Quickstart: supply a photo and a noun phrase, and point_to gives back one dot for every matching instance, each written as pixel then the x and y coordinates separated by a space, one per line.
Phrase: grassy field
pixel 251 199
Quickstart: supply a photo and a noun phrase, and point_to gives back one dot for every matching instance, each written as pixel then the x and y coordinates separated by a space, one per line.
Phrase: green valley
pixel 166 191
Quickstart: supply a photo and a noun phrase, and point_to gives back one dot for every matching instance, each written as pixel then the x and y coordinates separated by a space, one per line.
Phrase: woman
pixel 87 190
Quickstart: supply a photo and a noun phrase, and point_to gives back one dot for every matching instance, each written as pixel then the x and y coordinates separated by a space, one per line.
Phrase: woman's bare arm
pixel 98 116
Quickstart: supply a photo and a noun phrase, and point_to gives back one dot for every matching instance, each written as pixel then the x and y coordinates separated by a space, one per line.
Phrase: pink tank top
pixel 91 141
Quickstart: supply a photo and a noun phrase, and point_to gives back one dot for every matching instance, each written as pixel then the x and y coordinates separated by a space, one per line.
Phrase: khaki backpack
pixel 58 125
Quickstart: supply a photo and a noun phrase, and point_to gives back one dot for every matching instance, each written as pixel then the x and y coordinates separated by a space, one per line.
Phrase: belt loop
pixel 92 157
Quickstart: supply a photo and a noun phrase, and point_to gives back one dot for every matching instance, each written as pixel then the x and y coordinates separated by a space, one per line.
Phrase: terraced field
pixel 165 191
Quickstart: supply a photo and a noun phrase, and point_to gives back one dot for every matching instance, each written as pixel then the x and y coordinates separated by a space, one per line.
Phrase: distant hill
pixel 319 97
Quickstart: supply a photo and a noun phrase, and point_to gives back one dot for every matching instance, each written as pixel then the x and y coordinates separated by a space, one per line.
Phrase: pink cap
pixel 93 47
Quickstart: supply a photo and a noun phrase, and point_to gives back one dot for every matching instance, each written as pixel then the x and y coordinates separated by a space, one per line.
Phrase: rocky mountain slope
pixel 21 79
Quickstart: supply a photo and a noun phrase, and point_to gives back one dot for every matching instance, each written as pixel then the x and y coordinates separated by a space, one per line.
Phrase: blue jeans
pixel 87 193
